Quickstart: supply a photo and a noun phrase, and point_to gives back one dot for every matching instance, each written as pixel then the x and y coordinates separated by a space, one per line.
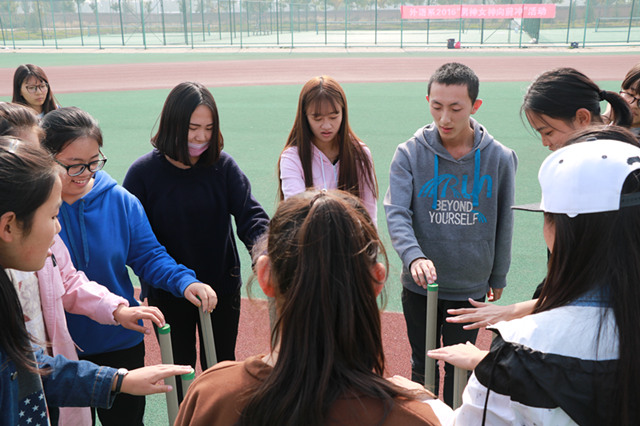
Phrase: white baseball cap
pixel 587 177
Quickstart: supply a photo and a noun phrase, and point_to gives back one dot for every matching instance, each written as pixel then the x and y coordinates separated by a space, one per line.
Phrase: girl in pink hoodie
pixel 322 151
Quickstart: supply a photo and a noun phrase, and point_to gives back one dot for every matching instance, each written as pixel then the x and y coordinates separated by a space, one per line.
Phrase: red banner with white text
pixel 480 11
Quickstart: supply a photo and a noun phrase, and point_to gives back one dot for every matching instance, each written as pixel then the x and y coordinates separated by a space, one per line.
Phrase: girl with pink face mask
pixel 191 190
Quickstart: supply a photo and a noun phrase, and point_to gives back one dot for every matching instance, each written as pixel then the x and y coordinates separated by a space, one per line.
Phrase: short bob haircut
pixel 65 125
pixel 22 73
pixel 173 130
pixel 456 74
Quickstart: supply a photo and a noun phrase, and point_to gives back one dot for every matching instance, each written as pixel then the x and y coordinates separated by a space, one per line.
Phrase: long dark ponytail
pixel 322 248
pixel 561 92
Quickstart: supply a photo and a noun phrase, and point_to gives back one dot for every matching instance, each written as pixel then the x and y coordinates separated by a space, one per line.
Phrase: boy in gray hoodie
pixel 449 216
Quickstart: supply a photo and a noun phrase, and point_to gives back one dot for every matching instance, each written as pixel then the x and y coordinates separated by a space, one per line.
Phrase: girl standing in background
pixel 31 88
pixel 322 151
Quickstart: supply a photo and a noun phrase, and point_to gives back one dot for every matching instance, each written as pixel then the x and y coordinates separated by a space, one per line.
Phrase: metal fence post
pixel 586 20
pixel 53 21
pixel 325 22
pixel 346 20
pixel 95 2
pixel 164 32
pixel 191 21
pixel 40 21
pixel 144 35
pixel 569 20
pixel 121 24
pixel 376 24
pixel 202 14
pixel 633 3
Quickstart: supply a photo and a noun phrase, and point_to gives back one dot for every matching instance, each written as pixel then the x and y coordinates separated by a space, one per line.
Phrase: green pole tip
pixel 432 287
pixel 165 329
pixel 189 376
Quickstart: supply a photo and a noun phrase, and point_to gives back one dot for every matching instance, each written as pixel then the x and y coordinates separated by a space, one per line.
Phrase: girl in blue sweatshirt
pixel 106 229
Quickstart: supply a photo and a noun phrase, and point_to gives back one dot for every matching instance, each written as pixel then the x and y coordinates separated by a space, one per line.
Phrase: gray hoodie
pixel 457 213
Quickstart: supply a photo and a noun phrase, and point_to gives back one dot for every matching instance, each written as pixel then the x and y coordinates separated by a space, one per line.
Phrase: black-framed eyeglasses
pixel 78 169
pixel 37 88
pixel 630 98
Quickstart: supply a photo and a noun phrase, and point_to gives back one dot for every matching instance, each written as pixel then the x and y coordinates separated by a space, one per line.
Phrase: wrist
pixel 117 311
pixel 116 385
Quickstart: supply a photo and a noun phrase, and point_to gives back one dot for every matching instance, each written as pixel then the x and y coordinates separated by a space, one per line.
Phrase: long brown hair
pixel 322 247
pixel 354 161
pixel 600 252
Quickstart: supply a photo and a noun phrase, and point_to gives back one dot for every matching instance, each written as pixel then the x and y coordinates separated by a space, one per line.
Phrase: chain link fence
pixel 339 23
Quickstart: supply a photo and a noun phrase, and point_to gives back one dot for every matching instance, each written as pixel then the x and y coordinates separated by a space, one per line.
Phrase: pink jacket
pixel 63 288
pixel 325 176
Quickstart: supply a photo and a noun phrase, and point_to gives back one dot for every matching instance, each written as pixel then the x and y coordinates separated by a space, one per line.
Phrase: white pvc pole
pixel 166 352
pixel 187 379
pixel 430 338
pixel 207 339
pixel 459 383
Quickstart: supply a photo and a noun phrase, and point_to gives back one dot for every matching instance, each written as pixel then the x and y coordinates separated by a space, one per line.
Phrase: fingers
pixel 150 313
pixel 423 272
pixel 497 294
pixel 477 304
pixel 130 316
pixel 201 295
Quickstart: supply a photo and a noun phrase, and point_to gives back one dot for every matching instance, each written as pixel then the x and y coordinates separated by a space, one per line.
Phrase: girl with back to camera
pixel 31 88
pixel 106 229
pixel 191 190
pixel 30 189
pixel 326 363
pixel 322 151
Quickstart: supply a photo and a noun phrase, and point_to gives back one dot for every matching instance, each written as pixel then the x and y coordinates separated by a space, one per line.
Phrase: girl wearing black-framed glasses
pixel 106 230
pixel 31 88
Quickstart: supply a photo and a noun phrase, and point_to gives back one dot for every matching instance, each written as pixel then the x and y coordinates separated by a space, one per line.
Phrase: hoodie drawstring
pixel 476 179
pixel 436 181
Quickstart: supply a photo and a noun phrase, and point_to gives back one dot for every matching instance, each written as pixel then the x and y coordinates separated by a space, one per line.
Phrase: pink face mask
pixel 196 149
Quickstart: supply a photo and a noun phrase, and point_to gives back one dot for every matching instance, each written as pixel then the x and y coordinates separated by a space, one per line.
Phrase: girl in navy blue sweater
pixel 190 190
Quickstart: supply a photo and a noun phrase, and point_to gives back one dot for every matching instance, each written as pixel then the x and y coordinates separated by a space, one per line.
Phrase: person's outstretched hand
pixel 466 356
pixel 485 314
pixel 150 380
